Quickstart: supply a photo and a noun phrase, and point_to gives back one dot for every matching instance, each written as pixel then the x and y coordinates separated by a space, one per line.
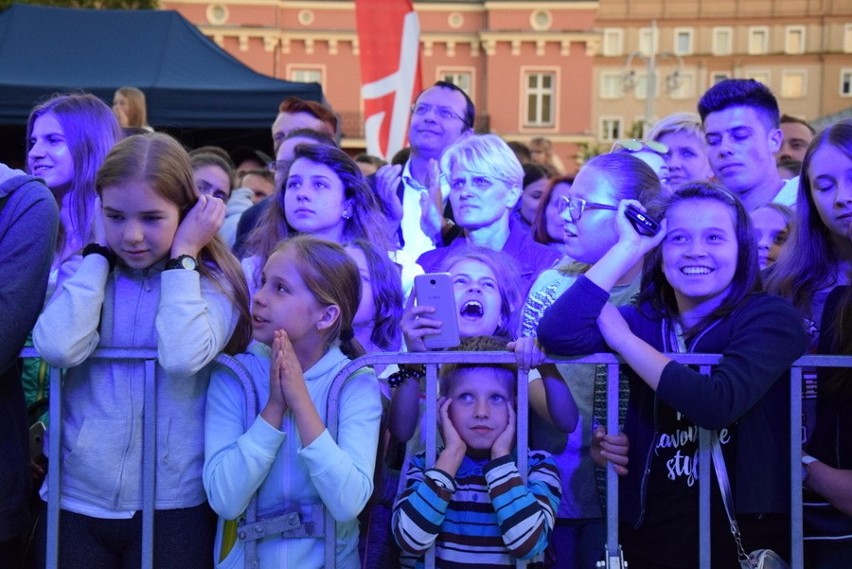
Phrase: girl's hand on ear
pixel 276 405
pixel 613 327
pixel 199 227
pixel 415 324
pixel 98 231
pixel 612 448
pixel 505 441
pixel 631 239
pixel 528 352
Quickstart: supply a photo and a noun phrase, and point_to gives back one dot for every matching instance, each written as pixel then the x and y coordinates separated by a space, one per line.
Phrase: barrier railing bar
pixel 613 549
pixel 432 359
pixel 706 478
pixel 149 462
pixel 797 557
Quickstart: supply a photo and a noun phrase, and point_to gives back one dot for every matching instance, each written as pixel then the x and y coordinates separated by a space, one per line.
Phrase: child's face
pixel 477 295
pixel 830 175
pixel 555 224
pixel 284 302
pixel 587 239
pixel 314 200
pixel 139 223
pixel 49 157
pixel 700 253
pixel 212 181
pixel 770 231
pixel 366 314
pixel 480 407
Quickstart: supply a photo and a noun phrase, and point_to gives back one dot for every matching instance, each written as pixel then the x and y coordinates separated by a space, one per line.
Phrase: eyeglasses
pixel 636 145
pixel 576 206
pixel 446 113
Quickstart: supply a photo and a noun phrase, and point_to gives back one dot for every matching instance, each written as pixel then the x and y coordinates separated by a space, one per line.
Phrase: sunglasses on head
pixel 636 145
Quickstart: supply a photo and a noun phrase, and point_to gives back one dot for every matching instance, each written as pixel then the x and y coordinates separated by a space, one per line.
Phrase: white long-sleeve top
pixel 272 460
pixel 189 320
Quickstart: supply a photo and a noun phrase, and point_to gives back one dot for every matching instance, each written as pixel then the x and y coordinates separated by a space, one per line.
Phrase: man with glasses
pixel 441 115
pixel 485 182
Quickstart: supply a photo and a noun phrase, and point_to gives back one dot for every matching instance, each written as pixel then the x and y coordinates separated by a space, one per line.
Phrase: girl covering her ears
pixel 699 293
pixel 155 276
pixel 302 321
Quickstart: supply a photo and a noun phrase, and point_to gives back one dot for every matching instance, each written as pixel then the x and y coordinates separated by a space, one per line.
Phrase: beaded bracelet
pixel 397 378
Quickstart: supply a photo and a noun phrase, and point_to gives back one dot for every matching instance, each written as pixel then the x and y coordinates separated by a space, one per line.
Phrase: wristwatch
pixel 186 262
pixel 806 461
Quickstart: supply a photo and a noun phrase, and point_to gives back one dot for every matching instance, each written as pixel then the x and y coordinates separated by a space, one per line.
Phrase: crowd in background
pixel 727 230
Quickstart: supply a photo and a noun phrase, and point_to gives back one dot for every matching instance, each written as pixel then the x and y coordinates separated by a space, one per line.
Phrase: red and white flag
pixel 389 35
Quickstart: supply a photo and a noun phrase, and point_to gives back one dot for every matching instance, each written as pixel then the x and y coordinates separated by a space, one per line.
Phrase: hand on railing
pixel 528 352
pixel 612 448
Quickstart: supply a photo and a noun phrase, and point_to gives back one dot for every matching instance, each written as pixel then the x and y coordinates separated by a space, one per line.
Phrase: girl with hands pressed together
pixel 699 293
pixel 302 320
pixel 154 277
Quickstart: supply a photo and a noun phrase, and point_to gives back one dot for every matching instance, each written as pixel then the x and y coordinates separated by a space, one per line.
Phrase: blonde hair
pixel 137 109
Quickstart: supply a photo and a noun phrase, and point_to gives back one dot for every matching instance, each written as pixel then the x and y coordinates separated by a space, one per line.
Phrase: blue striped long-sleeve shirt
pixel 485 516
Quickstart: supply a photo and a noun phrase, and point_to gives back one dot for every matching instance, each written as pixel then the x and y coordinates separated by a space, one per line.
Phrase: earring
pixel 346 214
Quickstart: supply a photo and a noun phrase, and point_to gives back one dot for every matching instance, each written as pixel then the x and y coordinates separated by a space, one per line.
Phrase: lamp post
pixel 672 79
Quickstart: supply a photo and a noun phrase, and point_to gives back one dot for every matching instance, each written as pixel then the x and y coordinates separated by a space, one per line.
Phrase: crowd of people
pixel 117 236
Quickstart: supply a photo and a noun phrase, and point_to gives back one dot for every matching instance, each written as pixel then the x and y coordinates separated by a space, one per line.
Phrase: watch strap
pixel 98 249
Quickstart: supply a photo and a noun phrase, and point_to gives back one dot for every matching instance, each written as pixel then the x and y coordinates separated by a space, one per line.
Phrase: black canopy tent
pixel 189 82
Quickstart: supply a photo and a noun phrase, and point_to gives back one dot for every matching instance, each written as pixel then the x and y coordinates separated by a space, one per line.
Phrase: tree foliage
pixel 88 4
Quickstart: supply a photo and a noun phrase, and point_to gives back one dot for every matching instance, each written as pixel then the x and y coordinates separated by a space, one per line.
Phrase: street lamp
pixel 673 79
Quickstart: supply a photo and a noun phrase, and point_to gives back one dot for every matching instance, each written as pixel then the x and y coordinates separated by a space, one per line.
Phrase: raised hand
pixel 432 202
pixel 98 233
pixel 612 448
pixel 388 178
pixel 276 404
pixel 528 352
pixel 505 441
pixel 199 227
pixel 416 324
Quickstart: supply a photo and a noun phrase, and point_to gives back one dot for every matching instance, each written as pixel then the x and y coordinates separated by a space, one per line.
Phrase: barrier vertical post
pixel 53 468
pixel 796 519
pixel 149 463
pixel 705 479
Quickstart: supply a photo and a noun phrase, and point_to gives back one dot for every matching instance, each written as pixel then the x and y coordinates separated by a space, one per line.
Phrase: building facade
pixel 576 72
pixel 801 50
pixel 527 65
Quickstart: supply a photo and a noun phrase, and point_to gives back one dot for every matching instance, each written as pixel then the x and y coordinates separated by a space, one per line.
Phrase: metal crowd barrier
pixel 432 360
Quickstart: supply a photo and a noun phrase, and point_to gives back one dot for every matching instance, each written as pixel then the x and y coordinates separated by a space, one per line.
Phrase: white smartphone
pixel 436 290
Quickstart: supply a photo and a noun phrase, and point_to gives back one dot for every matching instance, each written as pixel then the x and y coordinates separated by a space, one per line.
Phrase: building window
pixel 795 40
pixel 847 38
pixel 461 79
pixel 846 82
pixel 758 75
pixel 683 41
pixel 647 41
pixel 540 89
pixel 613 41
pixel 217 14
pixel 719 76
pixel 610 129
pixel 612 85
pixel 723 41
pixel 793 84
pixel 758 40
pixel 306 75
pixel 682 85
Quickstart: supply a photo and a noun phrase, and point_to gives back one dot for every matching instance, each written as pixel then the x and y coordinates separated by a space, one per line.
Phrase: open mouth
pixel 696 270
pixel 472 309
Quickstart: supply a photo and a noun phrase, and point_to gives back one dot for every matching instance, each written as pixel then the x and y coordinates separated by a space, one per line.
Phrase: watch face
pixel 188 263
